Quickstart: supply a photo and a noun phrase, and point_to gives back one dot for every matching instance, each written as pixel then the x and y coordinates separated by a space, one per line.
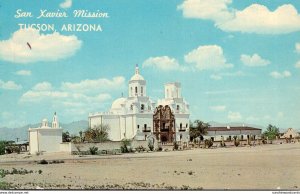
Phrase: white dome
pixel 117 103
pixel 44 120
pixel 136 77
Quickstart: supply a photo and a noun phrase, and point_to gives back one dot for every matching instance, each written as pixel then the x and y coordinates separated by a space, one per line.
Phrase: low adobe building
pixel 290 133
pixel 45 138
pixel 242 132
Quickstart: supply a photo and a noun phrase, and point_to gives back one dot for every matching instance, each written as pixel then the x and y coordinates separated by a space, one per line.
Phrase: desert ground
pixel 260 167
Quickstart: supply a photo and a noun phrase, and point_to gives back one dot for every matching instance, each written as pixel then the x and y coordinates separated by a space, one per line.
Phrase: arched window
pixel 177 107
pixel 142 91
pixel 131 107
pixel 180 126
pixel 142 107
pixel 136 91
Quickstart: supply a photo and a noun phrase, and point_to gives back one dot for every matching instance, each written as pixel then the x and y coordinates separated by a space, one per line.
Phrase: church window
pixel 131 107
pixel 136 91
pixel 186 125
pixel 177 108
pixel 180 126
pixel 142 107
pixel 142 91
pixel 145 127
pixel 138 126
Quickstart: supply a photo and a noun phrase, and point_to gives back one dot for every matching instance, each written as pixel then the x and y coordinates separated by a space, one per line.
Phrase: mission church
pixel 140 118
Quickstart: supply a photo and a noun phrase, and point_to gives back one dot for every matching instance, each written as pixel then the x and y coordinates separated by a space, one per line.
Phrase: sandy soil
pixel 260 167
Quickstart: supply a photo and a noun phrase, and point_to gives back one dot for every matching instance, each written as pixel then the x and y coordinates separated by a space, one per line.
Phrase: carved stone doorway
pixel 164 124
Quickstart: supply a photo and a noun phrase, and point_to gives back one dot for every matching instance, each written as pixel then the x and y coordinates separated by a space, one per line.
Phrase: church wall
pixel 33 143
pixel 114 125
pixel 49 140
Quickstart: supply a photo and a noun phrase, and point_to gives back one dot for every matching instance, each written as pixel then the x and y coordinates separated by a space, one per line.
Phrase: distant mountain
pixel 22 132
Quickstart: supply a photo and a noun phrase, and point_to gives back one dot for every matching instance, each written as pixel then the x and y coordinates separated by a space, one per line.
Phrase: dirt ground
pixel 261 167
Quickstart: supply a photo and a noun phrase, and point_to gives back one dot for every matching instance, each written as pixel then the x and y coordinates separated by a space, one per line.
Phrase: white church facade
pixel 138 117
pixel 45 138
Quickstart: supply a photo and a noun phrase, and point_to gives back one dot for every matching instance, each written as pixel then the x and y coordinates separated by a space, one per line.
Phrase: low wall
pixel 66 147
pixel 110 147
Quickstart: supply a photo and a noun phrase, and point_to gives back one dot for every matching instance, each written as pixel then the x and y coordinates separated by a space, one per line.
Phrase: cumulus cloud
pixel 43 86
pixel 23 72
pixel 254 61
pixel 234 116
pixel 297 47
pixel 207 57
pixel 74 98
pixel 44 47
pixel 280 75
pixel 164 63
pixel 220 76
pixel 255 18
pixel 94 86
pixel 66 4
pixel 297 65
pixel 9 85
pixel 219 108
pixel 215 10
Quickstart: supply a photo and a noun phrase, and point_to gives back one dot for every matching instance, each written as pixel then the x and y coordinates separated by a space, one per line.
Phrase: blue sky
pixel 237 61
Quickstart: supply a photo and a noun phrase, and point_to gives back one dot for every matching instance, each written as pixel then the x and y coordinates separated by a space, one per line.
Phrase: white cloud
pixel 280 75
pixel 216 77
pixel 220 76
pixel 9 85
pixel 255 18
pixel 164 63
pixel 259 19
pixel 254 60
pixel 297 65
pixel 207 57
pixel 219 108
pixel 74 98
pixel 43 86
pixel 66 4
pixel 215 10
pixel 23 72
pixel 297 47
pixel 234 116
pixel 44 47
pixel 95 86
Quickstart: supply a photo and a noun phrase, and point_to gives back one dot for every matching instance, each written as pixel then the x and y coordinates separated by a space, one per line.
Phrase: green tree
pixel 198 128
pixel 2 147
pixel 271 132
pixel 66 137
pixel 97 134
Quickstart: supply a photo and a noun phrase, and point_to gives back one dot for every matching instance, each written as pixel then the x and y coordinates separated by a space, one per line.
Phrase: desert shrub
pixel 125 144
pixel 43 162
pixel 151 146
pixel 2 147
pixel 222 144
pixel 4 186
pixel 159 149
pixel 236 142
pixel 140 149
pixel 93 150
pixel 208 143
pixel 175 145
pixel 40 171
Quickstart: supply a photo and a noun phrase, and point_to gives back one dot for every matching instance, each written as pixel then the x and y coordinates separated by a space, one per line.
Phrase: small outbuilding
pixel 290 133
pixel 45 138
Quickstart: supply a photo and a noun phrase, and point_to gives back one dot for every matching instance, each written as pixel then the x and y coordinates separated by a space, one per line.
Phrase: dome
pixel 44 120
pixel 117 103
pixel 136 77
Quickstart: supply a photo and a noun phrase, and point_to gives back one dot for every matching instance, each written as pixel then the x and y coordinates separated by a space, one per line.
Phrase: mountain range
pixel 22 132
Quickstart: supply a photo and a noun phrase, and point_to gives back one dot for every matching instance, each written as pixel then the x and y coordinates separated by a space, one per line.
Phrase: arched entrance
pixel 164 124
